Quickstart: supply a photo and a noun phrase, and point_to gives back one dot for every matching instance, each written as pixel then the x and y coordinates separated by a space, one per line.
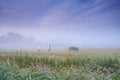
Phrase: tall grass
pixel 60 65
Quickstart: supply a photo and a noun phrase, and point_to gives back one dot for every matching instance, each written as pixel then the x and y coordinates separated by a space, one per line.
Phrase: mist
pixel 60 23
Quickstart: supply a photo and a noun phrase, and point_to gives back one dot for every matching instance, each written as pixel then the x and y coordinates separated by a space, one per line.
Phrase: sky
pixel 83 23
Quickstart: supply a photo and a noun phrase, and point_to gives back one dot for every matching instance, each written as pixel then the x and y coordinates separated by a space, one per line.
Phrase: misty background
pixel 17 41
pixel 59 23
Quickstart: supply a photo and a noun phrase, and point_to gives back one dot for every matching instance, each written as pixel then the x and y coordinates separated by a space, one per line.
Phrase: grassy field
pixel 87 64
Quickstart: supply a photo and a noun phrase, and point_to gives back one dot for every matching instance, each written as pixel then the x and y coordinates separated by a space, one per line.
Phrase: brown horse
pixel 74 49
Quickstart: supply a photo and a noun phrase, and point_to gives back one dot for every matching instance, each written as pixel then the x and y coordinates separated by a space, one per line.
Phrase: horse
pixel 39 49
pixel 49 48
pixel 74 49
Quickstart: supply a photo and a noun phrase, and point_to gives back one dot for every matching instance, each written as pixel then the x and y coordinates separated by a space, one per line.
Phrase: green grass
pixel 88 64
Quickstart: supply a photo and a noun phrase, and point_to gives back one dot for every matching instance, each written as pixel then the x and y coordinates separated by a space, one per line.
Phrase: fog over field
pixel 16 41
pixel 59 23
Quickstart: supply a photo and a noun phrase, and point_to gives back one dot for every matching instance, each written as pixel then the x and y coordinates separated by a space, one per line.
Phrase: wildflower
pixel 73 67
pixel 1 62
pixel 110 69
pixel 79 64
pixel 89 58
pixel 64 68
pixel 98 79
pixel 92 64
pixel 107 71
pixel 116 66
pixel 40 64
pixel 15 66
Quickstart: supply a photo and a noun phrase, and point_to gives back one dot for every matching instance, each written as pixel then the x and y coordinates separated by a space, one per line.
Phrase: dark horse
pixel 74 49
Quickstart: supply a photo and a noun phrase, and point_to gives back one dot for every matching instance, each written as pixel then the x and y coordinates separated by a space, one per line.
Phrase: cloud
pixel 67 12
pixel 50 12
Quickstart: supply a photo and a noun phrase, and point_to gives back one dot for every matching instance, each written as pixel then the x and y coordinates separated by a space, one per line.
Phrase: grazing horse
pixel 39 49
pixel 49 48
pixel 74 49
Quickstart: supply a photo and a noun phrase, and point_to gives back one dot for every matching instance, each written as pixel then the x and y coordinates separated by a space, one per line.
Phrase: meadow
pixel 87 64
